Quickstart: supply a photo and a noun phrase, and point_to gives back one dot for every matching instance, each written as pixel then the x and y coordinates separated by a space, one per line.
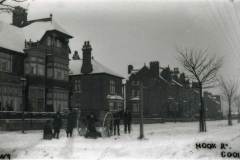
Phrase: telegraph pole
pixel 141 111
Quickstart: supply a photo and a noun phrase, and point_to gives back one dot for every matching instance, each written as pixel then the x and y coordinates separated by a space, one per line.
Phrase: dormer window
pixel 49 41
pixel 58 43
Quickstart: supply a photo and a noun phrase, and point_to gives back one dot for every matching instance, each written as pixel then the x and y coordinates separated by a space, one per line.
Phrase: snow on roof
pixel 163 78
pixel 36 30
pixel 177 83
pixel 114 97
pixel 75 68
pixel 11 37
pixel 135 99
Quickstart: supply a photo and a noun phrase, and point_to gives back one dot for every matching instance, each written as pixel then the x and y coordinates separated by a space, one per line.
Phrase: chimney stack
pixel 19 16
pixel 87 64
pixel 154 68
pixel 130 69
pixel 75 56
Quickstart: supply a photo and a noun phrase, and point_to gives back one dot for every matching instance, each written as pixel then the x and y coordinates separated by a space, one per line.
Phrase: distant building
pixel 213 106
pixel 94 87
pixel 35 52
pixel 166 93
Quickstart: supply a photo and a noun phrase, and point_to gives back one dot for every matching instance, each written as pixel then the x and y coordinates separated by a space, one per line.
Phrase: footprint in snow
pixel 45 155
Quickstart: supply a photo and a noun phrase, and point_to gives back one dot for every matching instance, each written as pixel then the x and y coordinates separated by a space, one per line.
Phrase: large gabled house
pixel 94 87
pixel 34 58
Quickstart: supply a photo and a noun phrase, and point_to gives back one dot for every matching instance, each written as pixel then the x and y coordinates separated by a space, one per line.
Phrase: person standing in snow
pixel 57 124
pixel 70 123
pixel 127 120
pixel 116 123
pixel 47 130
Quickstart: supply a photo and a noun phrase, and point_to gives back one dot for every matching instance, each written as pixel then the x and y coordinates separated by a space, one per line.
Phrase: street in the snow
pixel 163 141
pixel 119 79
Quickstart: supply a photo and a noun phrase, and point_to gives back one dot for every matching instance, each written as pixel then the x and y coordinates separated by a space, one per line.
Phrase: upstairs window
pixel 49 41
pixel 133 93
pixel 77 85
pixel 135 83
pixel 112 85
pixel 58 43
pixel 34 66
pixel 5 62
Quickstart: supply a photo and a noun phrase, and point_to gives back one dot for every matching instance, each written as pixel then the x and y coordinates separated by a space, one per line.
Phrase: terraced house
pixel 33 64
pixel 167 94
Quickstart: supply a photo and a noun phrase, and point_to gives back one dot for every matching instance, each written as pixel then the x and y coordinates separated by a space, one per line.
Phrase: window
pixel 5 62
pixel 138 93
pixel 58 43
pixel 77 85
pixel 49 72
pixel 111 106
pixel 41 70
pixel 60 71
pixel 49 41
pixel 133 93
pixel 119 106
pixel 34 66
pixel 112 87
pixel 135 83
pixel 135 107
pixel 58 74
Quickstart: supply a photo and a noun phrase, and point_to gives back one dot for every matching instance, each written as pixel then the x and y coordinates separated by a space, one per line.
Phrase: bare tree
pixel 229 90
pixel 203 69
pixel 8 5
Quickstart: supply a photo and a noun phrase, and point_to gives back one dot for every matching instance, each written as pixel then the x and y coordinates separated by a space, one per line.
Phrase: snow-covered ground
pixel 163 141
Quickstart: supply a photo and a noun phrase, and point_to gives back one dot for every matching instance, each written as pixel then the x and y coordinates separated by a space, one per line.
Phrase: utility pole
pixel 141 111
pixel 23 81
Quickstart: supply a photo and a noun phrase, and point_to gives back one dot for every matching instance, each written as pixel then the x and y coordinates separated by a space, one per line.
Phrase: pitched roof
pixel 36 30
pixel 75 68
pixel 11 37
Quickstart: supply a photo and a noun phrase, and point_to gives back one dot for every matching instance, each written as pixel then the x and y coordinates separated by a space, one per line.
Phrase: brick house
pixel 166 93
pixel 94 87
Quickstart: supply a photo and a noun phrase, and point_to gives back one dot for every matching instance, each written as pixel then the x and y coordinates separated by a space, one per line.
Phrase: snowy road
pixel 163 141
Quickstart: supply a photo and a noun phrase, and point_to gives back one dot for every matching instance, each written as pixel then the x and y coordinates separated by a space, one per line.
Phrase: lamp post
pixel 141 111
pixel 23 80
pixel 139 100
pixel 170 108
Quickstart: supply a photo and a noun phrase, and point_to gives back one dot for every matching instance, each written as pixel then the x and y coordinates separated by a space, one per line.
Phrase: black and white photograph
pixel 120 79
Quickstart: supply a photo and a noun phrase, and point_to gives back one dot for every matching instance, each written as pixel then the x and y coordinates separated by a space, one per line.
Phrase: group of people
pixel 52 130
pixel 127 120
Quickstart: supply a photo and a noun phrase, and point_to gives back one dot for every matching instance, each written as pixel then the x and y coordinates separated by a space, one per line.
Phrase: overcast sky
pixel 136 32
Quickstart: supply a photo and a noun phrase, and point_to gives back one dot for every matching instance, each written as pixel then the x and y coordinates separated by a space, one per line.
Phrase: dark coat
pixel 47 131
pixel 127 117
pixel 71 120
pixel 117 117
pixel 91 120
pixel 57 122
